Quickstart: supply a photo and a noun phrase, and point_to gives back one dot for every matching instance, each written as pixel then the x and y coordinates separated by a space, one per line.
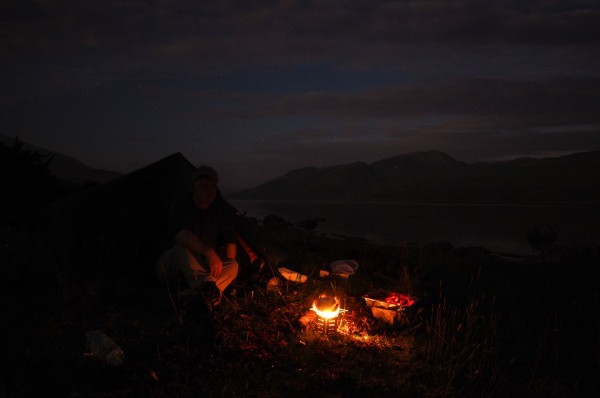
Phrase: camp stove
pixel 327 310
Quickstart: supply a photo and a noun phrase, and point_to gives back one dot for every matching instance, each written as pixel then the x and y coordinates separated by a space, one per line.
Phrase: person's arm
pixel 190 241
pixel 227 230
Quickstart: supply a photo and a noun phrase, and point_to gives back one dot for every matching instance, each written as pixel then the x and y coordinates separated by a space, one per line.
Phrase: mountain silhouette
pixel 436 176
pixel 66 167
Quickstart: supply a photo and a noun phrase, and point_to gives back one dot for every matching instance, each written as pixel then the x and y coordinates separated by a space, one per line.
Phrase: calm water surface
pixel 501 228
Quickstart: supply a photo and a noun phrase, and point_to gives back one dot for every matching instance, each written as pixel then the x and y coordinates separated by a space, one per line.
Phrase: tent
pixel 120 227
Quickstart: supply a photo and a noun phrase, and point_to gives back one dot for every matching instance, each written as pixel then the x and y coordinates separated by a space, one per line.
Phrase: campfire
pixel 327 310
pixel 324 315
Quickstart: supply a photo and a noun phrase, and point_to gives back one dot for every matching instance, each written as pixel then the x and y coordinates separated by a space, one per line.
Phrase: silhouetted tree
pixel 27 183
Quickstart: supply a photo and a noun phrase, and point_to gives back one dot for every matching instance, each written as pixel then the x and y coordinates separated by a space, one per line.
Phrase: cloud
pixel 305 82
pixel 497 102
pixel 277 32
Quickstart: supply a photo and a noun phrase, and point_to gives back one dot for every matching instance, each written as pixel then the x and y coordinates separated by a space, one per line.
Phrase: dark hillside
pixel 418 163
pixel 352 181
pixel 67 168
pixel 435 176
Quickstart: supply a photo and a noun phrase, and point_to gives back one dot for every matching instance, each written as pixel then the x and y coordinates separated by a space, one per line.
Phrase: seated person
pixel 205 240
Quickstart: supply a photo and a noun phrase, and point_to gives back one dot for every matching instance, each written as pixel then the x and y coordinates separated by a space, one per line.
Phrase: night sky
pixel 258 88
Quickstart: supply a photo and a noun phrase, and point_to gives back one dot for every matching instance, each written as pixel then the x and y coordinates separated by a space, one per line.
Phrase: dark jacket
pixel 214 226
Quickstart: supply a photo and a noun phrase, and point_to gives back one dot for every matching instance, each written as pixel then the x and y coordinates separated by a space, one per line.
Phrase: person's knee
pixel 233 267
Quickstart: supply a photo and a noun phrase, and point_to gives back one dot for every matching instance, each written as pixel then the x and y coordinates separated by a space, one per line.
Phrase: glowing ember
pixel 400 299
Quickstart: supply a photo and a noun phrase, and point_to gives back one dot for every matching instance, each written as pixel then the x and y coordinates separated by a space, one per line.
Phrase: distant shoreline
pixel 500 227
pixel 422 202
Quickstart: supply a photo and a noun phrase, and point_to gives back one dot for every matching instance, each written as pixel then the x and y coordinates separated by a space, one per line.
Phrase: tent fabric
pixel 120 226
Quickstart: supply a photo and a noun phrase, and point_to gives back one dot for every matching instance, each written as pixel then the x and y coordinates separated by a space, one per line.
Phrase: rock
pixel 541 236
pixel 384 315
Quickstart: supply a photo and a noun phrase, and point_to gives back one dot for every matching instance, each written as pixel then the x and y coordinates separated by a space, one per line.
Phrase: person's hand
pixel 215 264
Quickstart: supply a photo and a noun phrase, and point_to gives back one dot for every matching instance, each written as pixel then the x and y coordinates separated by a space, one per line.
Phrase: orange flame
pixel 326 307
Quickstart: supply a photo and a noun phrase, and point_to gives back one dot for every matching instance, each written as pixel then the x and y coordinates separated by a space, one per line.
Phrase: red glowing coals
pixel 400 299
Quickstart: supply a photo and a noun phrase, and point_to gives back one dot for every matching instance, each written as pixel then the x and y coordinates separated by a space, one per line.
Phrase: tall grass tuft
pixel 407 278
pixel 460 349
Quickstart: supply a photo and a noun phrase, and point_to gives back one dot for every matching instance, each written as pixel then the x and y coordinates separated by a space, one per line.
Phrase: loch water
pixel 501 228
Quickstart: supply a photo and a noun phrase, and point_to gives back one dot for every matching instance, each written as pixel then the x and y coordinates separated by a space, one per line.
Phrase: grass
pixel 480 329
pixel 460 348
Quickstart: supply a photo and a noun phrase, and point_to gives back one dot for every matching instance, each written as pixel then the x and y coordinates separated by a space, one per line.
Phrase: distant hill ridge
pixel 67 168
pixel 436 176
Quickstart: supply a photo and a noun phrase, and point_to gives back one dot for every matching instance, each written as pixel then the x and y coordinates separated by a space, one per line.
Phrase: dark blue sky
pixel 257 88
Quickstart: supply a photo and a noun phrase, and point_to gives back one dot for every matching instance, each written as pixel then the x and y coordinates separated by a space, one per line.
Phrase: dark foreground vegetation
pixel 485 324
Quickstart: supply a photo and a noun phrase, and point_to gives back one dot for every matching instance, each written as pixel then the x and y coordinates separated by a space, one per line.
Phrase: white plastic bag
pixel 291 275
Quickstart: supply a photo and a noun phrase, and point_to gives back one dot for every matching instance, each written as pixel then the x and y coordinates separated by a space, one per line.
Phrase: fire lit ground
pixel 484 325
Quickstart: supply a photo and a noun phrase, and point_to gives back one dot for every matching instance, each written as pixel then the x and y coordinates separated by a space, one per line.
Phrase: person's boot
pixel 211 294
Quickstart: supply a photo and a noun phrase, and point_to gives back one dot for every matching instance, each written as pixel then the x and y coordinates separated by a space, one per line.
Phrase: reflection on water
pixel 501 228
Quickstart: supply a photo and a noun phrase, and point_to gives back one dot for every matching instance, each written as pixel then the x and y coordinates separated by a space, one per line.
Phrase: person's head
pixel 204 186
